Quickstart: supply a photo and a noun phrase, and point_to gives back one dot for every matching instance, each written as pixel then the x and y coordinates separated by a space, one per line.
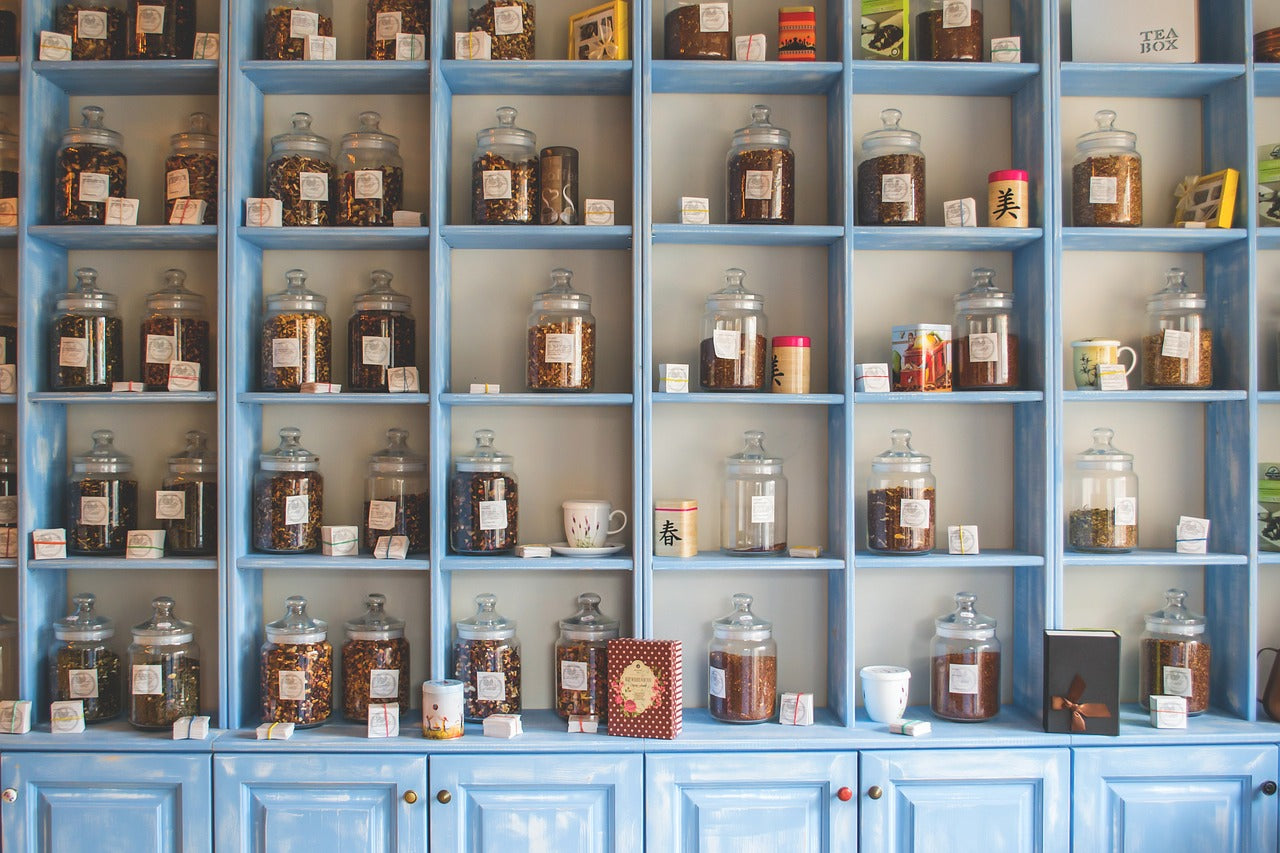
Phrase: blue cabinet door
pixel 723 802
pixel 943 800
pixel 105 803
pixel 584 803
pixel 290 803
pixel 1175 799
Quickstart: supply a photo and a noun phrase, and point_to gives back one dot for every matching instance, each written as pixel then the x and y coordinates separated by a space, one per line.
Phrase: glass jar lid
pixel 753 459
pixel 296 296
pixel 174 297
pixel 85 295
pixel 196 457
pixel 761 133
pixel 1175 296
pixel 396 457
pixel 103 457
pixel 733 296
pixel 742 624
pixel 562 296
pixel 83 623
pixel 374 623
pixel 290 455
pixel 484 456
pixel 370 135
pixel 7 465
pixel 966 623
pixel 984 295
pixel 589 623
pixel 1102 454
pixel 198 136
pixel 488 623
pixel 901 456
pixel 163 628
pixel 91 130
pixel 301 138
pixel 1106 135
pixel 380 296
pixel 891 135
pixel 506 132
pixel 295 626
pixel 1174 617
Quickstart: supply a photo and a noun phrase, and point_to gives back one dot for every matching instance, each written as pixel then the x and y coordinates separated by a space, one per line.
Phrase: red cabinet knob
pixel 844 795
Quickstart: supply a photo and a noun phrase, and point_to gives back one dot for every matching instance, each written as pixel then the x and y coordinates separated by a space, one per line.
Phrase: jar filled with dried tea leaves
pixel 175 338
pixel 102 498
pixel 380 334
pixel 300 173
pixel 1106 176
pixel 510 23
pixel 90 168
pixel 1174 655
pixel 396 494
pixel 86 347
pixel 984 333
pixel 1177 351
pixel 160 29
pixel 734 338
pixel 387 19
pixel 297 668
pixel 950 31
pixel 504 174
pixel 290 22
pixel 1102 498
pixel 8 485
pixel 8 159
pixel 561 351
pixel 742 683
pixel 581 667
pixel 965 686
pixel 484 507
pixel 164 669
pixel 96 27
pixel 82 666
pixel 891 175
pixel 902 506
pixel 753 506
pixel 486 659
pixel 8 658
pixel 761 186
pixel 698 30
pixel 370 174
pixel 296 337
pixel 375 661
pixel 288 497
pixel 191 169
pixel 187 503
pixel 8 340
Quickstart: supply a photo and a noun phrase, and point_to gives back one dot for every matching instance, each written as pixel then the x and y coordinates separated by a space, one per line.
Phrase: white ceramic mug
pixel 884 692
pixel 1087 354
pixel 586 522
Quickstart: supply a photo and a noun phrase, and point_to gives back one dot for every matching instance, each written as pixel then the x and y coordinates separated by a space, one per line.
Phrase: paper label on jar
pixel 1102 190
pixel 150 19
pixel 508 20
pixel 160 348
pixel 297 509
pixel 493 515
pixel 171 505
pixel 491 686
pixel 962 678
pixel 573 675
pixel 73 352
pixel 713 17
pixel 1126 512
pixel 914 512
pixel 1177 681
pixel 286 352
pixel 758 184
pixel 715 682
pixel 762 509
pixel 95 511
pixel 727 343
pixel 82 683
pixel 1177 344
pixel 368 183
pixel 313 186
pixel 91 25
pixel 8 509
pixel 382 515
pixel 184 376
pixel 559 349
pixel 148 680
pixel 292 684
pixel 984 346
pixel 388 24
pixel 496 184
pixel 375 350
pixel 303 24
pixel 896 189
pixel 177 184
pixel 956 13
pixel 94 186
pixel 384 683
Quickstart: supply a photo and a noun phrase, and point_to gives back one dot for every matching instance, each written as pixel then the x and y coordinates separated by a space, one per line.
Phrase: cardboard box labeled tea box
pixel 1135 31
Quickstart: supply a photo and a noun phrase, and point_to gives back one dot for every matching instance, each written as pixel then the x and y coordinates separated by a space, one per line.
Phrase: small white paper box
pixel 339 540
pixel 8 378
pixel 320 48
pixel 485 388
pixel 391 548
pixel 962 539
pixel 129 387
pixel 1168 712
pixel 533 551
pixel 66 718
pixel 122 211
pixel 191 728
pixel 184 376
pixel 960 213
pixel 503 726
pixel 49 543
pixel 477 45
pixel 597 211
pixel 188 211
pixel 263 212
pixel 411 46
pixel 1192 535
pixel 1007 49
pixel 694 210
pixel 15 717
pixel 384 720
pixel 584 723
pixel 796 709
pixel 402 380
pixel 54 47
pixel 320 388
pixel 808 552
pixel 1112 377
pixel 406 219
pixel 673 378
pixel 911 728
pixel 8 541
pixel 749 48
pixel 206 46
pixel 275 731
pixel 144 545
pixel 871 378
pixel 8 212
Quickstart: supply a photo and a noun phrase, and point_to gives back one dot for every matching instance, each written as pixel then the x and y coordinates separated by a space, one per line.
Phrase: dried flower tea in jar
pixel 504 174
pixel 370 174
pixel 1177 351
pixel 388 19
pixel 288 497
pixel 950 31
pixel 985 336
pixel 90 168
pixel 510 23
pixel 561 354
pixel 96 27
pixel 296 337
pixel 734 338
pixel 290 22
pixel 164 669
pixel 695 30
pixel 191 169
pixel 174 339
pixel 581 667
pixel 484 507
pixel 187 503
pixel 742 683
pixel 762 173
pixel 86 346
pixel 160 29
pixel 1174 655
pixel 102 499
pixel 375 661
pixel 1102 498
pixel 1106 176
pixel 380 335
pixel 396 494
pixel 901 499
pixel 300 173
pixel 486 659
pixel 82 666
pixel 753 506
pixel 297 668
pixel 965 665
pixel 891 175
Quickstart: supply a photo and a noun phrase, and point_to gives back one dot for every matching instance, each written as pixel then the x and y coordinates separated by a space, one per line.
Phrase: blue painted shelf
pixel 309 562
pixel 749 398
pixel 8 562
pixel 116 564
pixel 1145 80
pixel 286 398
pixel 936 239
pixel 541 77
pixel 747 235
pixel 8 237
pixel 346 77
pixel 1266 80
pixel 10 74
pixel 620 562
pixel 957 398
pixel 714 561
pixel 8 399
pixel 738 78
pixel 941 559
pixel 531 399
pixel 537 236
pixel 132 76
pixel 1269 238
pixel 123 398
pixel 1269 397
pixel 368 239
pixel 1153 557
pixel 1189 395
pixel 1269 558
pixel 128 237
pixel 872 77
pixel 1150 239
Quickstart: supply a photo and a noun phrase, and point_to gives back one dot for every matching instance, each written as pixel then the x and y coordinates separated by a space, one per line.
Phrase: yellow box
pixel 601 32
pixel 1209 199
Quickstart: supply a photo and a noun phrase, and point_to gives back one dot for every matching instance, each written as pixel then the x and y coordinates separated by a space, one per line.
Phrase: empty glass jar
pixel 375 661
pixel 82 666
pixel 301 173
pixel 486 659
pixel 966 664
pixel 381 335
pixel 504 173
pixel 297 668
pixel 742 683
pixel 370 174
pixel 1174 655
pixel 90 168
pixel 86 343
pixel 901 499
pixel 102 499
pixel 296 337
pixel 734 338
pixel 396 494
pixel 582 663
pixel 891 175
pixel 1102 498
pixel 753 509
pixel 164 669
pixel 985 336
pixel 561 352
pixel 174 338
pixel 1106 176
pixel 1177 351
pixel 187 503
pixel 761 185
pixel 191 170
pixel 484 507
pixel 288 497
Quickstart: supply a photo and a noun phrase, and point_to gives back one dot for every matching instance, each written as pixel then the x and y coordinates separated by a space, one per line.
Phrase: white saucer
pixel 564 549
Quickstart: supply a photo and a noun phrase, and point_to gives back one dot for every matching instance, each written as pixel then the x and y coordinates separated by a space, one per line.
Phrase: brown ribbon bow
pixel 1079 710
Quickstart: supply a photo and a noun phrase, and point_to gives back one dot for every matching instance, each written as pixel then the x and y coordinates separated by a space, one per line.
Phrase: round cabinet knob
pixel 443 797
pixel 1268 788
pixel 410 797
pixel 10 795
pixel 875 792
pixel 844 795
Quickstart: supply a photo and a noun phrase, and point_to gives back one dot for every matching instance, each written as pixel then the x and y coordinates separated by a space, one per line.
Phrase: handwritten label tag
pixel 122 211
pixel 1112 377
pixel 320 48
pixel 188 211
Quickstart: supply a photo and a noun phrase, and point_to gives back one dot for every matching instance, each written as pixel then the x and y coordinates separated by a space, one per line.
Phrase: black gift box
pixel 1082 682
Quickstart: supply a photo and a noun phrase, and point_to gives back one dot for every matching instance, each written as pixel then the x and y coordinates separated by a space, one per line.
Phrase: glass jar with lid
pixel 296 336
pixel 901 499
pixel 509 23
pixel 1106 176
pixel 300 173
pixel 187 504
pixel 484 507
pixel 102 498
pixel 891 175
pixel 375 661
pixel 8 157
pixel 82 666
pixel 1174 655
pixel 175 338
pixel 965 686
pixel 387 19
pixel 164 669
pixel 290 22
pixel 753 507
pixel 504 173
pixel 370 174
pixel 8 658
pixel 160 29
pixel 486 659
pixel 381 335
pixel 985 336
pixel 90 168
pixel 950 31
pixel 297 668
pixel 695 30
pixel 582 663
pixel 288 497
pixel 396 494
pixel 191 169
pixel 96 28
pixel 742 683
pixel 762 173
pixel 8 487
pixel 86 342
pixel 1102 498
pixel 1177 351
pixel 734 338
pixel 561 353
